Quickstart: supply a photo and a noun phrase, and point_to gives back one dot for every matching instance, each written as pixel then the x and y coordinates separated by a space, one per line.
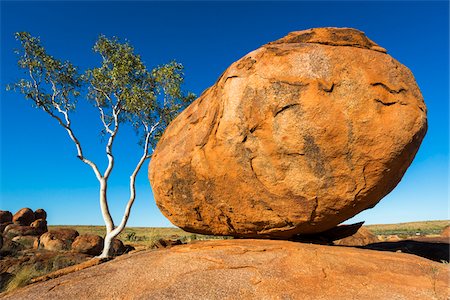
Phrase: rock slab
pixel 251 269
pixel 294 138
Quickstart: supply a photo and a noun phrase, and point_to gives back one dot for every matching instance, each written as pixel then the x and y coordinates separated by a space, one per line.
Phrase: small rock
pixel 361 238
pixel 5 216
pixel 88 243
pixel 23 217
pixel 117 247
pixel 393 238
pixel 40 214
pixel 167 243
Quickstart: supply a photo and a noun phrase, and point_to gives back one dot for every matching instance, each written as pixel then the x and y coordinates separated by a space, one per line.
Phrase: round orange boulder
pixel 294 138
pixel 24 217
pixel 40 214
pixel 58 239
pixel 88 244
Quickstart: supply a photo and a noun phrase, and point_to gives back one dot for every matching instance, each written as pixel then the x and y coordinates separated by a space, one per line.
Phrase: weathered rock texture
pixel 88 244
pixel 24 217
pixel 58 239
pixel 294 138
pixel 251 269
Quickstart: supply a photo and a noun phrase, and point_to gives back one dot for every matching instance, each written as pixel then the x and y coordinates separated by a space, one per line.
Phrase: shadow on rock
pixel 434 250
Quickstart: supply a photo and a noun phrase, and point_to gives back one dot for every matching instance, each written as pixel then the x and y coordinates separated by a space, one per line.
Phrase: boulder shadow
pixel 437 251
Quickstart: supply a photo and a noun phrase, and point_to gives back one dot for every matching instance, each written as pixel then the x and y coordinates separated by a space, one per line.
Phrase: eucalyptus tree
pixel 120 88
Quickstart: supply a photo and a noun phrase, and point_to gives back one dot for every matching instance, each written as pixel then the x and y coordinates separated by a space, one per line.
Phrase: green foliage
pixel 52 84
pixel 121 87
pixel 143 98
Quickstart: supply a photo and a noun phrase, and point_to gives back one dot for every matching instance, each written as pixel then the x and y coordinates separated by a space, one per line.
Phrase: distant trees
pixel 121 89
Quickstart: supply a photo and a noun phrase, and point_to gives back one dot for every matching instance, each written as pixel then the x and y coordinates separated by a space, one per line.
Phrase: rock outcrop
pixel 22 231
pixel 251 269
pixel 294 138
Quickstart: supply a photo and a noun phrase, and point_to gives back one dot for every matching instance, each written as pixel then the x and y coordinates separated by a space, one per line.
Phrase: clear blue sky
pixel 38 163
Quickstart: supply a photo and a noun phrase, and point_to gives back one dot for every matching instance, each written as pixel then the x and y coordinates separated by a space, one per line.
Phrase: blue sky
pixel 37 159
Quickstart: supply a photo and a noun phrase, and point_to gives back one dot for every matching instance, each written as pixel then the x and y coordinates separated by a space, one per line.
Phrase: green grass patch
pixel 410 228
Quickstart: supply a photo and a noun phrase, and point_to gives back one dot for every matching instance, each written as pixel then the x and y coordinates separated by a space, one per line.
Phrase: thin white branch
pixel 102 118
pixel 126 214
pixel 66 126
pixel 109 145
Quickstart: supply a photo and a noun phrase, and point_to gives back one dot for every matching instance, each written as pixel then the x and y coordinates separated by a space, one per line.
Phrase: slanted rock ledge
pixel 251 269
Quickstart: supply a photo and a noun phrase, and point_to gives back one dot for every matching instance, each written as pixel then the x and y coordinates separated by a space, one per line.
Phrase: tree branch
pixel 66 126
pixel 126 214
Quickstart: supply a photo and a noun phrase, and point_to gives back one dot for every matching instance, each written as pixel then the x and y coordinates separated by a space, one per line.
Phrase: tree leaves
pixel 121 87
pixel 52 84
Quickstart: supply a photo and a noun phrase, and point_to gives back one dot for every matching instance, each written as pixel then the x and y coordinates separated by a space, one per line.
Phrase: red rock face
pixel 294 138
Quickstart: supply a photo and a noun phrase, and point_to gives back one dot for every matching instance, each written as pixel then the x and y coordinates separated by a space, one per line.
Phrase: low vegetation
pixel 145 237
pixel 405 230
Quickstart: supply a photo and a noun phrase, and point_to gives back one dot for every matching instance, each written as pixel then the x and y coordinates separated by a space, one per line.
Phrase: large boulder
pixel 40 214
pixel 88 244
pixel 294 138
pixel 23 217
pixel 251 269
pixel 58 239
pixel 5 216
